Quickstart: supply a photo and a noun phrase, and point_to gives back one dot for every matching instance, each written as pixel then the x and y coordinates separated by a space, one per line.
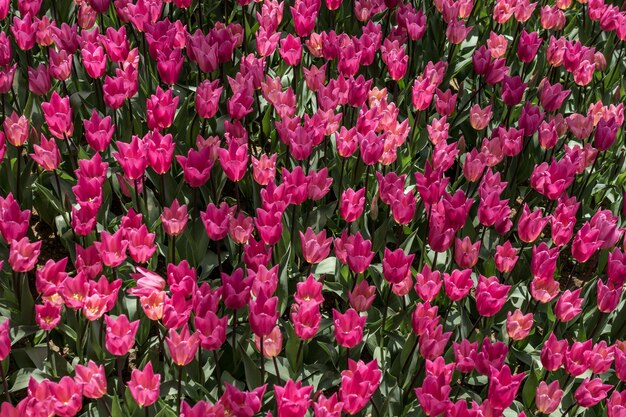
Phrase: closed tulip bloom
pixel 236 289
pixel 458 284
pixel 306 319
pixel 5 339
pixel 547 134
pixel 309 291
pixel 291 50
pixel 92 378
pixel 58 115
pixel 506 257
pixel 608 296
pixel 424 317
pixel 242 403
pixel 24 31
pixel 530 119
pixel 315 248
pixel 586 242
pixel 234 160
pixel 358 384
pixel 600 358
pixel 576 358
pixel 479 118
pixel 518 324
pixel 607 224
pixel 433 395
pixel 132 157
pixel 144 385
pixel 428 283
pixel 548 397
pixel 466 252
pixel 362 296
pixel 160 109
pixel 465 354
pixel 263 314
pixel 47 154
pixel 473 166
pixel 293 400
pixel 39 80
pixel 98 131
pixel 318 184
pixel 615 405
pixel 371 147
pixel 67 397
pixel 396 265
pixel 14 223
pixel 120 334
pixel 605 134
pixel 445 102
pixel 264 280
pixel 196 166
pixel 112 248
pixel 240 228
pixel 395 57
pixel 490 295
pixel 528 46
pixel 591 391
pixel 545 289
pixel 569 305
pixel 543 262
pixel 553 353
pixel 269 225
pixel 94 59
pixel 503 387
pixel 174 218
pixel 328 407
pixel 23 255
pixel 264 169
pixel 16 129
pixel 208 95
pixel 513 90
pixel 552 96
pixel 531 225
pixel 141 245
pixel 348 327
pixel 359 253
pixel 433 342
pixel 114 91
pixel 160 151
pixel 456 32
pixel 211 330
pixel 272 343
pixel 182 346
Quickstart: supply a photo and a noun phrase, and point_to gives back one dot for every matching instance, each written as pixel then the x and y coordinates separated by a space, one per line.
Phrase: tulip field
pixel 321 208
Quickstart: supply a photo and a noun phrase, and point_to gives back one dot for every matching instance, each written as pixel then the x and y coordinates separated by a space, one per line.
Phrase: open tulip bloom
pixel 312 208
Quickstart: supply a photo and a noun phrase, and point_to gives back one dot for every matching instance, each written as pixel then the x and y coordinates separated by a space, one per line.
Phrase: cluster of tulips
pixel 325 208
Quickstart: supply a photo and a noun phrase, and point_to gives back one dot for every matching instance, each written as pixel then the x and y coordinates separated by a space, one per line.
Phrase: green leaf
pixel 116 408
pixel 252 370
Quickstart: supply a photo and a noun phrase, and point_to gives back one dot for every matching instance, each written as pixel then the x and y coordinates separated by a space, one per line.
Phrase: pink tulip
pixel 120 334
pixel 144 385
pixel 348 327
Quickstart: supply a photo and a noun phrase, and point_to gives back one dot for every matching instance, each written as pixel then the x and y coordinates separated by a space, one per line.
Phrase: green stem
pixel 179 389
pixel 4 384
pixel 276 370
pixel 262 360
pixel 218 373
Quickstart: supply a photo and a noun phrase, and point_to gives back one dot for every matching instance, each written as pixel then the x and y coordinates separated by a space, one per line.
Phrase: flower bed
pixel 369 207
